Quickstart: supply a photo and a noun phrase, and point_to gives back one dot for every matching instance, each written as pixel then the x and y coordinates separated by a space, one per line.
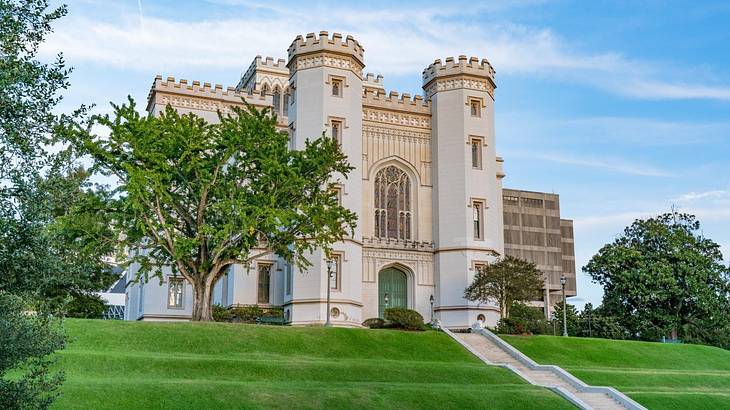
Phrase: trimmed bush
pixel 248 314
pixel 524 319
pixel 402 318
pixel 221 314
pixel 374 323
pixel 86 306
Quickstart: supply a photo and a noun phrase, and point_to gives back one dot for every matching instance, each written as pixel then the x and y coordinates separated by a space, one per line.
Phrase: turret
pixel 326 85
pixel 467 203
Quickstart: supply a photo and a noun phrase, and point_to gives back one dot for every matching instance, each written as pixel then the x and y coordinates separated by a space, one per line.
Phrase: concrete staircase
pixel 495 351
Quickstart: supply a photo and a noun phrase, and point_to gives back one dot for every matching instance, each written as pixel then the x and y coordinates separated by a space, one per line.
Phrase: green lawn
pixel 119 365
pixel 659 376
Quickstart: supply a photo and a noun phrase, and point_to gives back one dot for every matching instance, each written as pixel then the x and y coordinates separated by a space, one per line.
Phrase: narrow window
pixel 476 154
pixel 476 109
pixel 286 103
pixel 289 279
pixel 250 90
pixel 264 283
pixel 276 101
pixel 175 289
pixel 335 278
pixel 478 217
pixel 337 87
pixel 264 90
pixel 337 131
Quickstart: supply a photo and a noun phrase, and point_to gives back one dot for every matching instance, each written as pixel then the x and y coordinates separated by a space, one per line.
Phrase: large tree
pixel 198 197
pixel 506 281
pixel 663 277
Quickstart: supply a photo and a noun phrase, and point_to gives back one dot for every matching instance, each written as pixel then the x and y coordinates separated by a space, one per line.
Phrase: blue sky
pixel 621 107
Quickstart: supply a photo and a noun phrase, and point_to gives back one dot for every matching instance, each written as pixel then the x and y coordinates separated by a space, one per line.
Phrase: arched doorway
pixel 393 283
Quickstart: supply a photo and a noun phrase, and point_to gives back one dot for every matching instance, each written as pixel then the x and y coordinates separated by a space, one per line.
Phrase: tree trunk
pixel 202 311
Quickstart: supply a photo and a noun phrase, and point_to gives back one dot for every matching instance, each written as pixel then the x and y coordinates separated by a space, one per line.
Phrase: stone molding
pixel 387 115
pixel 325 60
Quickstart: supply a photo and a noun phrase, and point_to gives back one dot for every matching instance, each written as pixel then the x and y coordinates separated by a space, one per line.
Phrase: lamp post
pixel 565 320
pixel 431 299
pixel 386 300
pixel 330 268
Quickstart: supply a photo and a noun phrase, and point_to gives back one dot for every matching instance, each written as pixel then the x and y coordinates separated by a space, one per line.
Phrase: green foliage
pixel 26 340
pixel 248 314
pixel 401 318
pixel 202 197
pixel 507 281
pixel 594 323
pixel 86 306
pixel 663 278
pixel 572 319
pixel 221 314
pixel 374 323
pixel 524 319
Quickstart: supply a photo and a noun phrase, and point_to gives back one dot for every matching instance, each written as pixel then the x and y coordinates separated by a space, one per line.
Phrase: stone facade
pixel 427 186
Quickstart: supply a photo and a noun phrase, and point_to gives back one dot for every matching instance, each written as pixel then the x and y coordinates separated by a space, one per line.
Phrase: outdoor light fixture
pixel 386 299
pixel 330 269
pixel 565 321
pixel 431 299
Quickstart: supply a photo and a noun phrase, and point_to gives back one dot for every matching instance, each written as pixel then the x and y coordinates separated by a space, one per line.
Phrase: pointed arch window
pixel 276 100
pixel 285 108
pixel 393 217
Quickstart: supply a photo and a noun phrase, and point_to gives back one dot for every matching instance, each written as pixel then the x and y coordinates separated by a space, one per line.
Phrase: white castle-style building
pixel 427 187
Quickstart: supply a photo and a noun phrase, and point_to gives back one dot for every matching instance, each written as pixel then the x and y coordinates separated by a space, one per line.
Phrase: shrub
pixel 248 314
pixel 374 323
pixel 86 306
pixel 221 314
pixel 402 318
pixel 524 319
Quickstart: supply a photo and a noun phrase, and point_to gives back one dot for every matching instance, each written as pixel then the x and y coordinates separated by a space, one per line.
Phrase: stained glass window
pixel 393 204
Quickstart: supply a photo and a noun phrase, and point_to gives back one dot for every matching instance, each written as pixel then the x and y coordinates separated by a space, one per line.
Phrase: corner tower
pixel 326 85
pixel 467 199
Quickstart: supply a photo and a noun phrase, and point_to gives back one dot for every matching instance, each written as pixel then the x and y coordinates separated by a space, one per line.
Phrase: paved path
pixel 495 354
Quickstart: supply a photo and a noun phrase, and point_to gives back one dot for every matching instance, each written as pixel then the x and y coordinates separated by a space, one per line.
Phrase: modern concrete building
pixel 427 186
pixel 533 231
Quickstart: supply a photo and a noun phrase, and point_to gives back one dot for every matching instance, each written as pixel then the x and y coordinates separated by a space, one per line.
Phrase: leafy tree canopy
pixel 198 197
pixel 506 281
pixel 662 277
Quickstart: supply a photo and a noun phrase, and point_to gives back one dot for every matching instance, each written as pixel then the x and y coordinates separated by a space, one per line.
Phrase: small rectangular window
pixel 476 153
pixel 336 131
pixel 336 87
pixel 336 274
pixel 338 193
pixel 175 293
pixel 476 108
pixel 478 220
pixel 264 283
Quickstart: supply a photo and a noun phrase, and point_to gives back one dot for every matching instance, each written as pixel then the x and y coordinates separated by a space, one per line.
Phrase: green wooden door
pixel 392 282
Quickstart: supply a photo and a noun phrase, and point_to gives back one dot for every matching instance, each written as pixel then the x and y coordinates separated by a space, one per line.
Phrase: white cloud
pixel 613 164
pixel 694 196
pixel 398 40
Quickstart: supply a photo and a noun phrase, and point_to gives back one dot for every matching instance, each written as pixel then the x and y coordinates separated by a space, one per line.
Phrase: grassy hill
pixel 659 376
pixel 114 364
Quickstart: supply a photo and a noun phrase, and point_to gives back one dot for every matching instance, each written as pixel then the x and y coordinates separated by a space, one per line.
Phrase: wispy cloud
pixel 399 39
pixel 613 164
pixel 695 196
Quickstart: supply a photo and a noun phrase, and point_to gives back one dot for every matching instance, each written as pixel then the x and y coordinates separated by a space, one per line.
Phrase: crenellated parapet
pixel 372 82
pixel 463 72
pixel 264 70
pixel 322 50
pixel 395 102
pixel 197 96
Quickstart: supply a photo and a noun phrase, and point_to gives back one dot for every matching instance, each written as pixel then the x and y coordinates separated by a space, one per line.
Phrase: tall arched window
pixel 392 204
pixel 276 100
pixel 285 108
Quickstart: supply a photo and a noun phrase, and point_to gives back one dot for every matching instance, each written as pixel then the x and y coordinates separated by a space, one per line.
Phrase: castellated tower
pixel 467 199
pixel 326 85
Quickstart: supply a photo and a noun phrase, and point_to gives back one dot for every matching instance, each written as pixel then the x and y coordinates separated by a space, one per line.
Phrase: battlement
pixel 394 101
pixel 208 91
pixel 263 64
pixel 374 83
pixel 323 42
pixel 463 65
